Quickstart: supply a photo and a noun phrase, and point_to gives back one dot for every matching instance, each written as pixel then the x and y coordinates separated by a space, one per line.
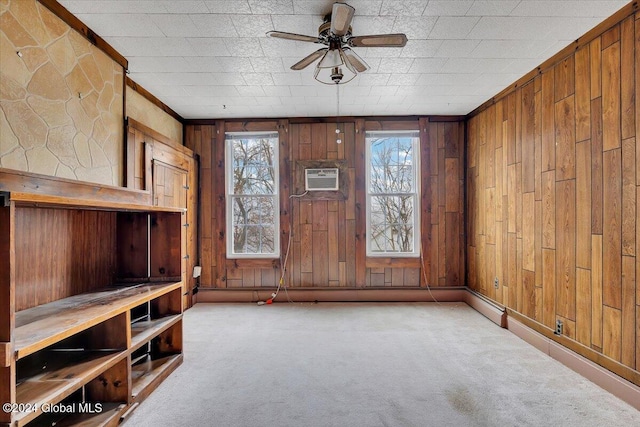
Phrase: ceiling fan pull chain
pixel 338 139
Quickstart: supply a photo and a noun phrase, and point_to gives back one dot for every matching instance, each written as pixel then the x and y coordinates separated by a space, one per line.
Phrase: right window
pixel 393 202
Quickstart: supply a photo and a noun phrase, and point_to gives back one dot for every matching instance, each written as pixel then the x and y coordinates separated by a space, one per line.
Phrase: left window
pixel 253 211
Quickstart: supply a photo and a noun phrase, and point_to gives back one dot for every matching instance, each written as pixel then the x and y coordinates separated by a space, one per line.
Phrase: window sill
pixel 253 262
pixel 387 262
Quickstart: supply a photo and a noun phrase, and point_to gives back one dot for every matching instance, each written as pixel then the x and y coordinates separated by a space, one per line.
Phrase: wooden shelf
pixel 144 331
pixel 54 385
pixel 39 327
pixel 147 375
pixel 110 415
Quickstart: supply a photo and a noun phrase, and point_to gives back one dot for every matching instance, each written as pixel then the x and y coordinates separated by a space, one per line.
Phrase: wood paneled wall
pixel 552 190
pixel 328 229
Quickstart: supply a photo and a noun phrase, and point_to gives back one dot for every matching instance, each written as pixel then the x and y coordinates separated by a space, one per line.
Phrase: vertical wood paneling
pixel 566 249
pixel 583 204
pixel 565 139
pixel 611 97
pixel 596 166
pixel 628 312
pixel 583 95
pixel 568 244
pixel 627 79
pixel 596 290
pixel 611 236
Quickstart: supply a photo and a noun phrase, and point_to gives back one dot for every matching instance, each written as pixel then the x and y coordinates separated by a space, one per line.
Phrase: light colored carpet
pixel 368 364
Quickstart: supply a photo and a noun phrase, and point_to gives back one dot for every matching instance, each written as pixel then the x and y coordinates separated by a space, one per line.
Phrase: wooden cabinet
pixel 90 300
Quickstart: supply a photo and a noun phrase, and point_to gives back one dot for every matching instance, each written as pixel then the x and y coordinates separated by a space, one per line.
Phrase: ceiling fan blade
pixel 355 60
pixel 292 36
pixel 341 16
pixel 307 60
pixel 379 40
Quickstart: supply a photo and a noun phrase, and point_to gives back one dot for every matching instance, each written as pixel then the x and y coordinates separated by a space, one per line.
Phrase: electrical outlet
pixel 496 283
pixel 559 327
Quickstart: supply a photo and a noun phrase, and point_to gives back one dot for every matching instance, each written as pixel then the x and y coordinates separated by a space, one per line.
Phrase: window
pixel 393 205
pixel 253 211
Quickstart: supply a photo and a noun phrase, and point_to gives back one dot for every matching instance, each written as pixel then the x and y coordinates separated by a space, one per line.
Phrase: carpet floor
pixel 368 364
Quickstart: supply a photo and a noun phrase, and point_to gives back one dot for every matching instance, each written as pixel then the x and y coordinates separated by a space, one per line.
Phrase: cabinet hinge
pixel 186 256
pixel 186 187
pixel 185 225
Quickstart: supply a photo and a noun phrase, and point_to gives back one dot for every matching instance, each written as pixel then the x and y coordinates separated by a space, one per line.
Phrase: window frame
pixel 415 194
pixel 230 196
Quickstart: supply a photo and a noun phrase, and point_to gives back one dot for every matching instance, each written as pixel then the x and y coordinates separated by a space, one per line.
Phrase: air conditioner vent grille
pixel 321 179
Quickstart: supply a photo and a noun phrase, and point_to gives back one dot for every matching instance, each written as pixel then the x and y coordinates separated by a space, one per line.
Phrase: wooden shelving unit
pixel 90 300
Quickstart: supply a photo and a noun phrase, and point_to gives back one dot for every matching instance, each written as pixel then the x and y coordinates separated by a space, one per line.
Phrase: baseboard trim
pixel 487 308
pixel 449 294
pixel 604 378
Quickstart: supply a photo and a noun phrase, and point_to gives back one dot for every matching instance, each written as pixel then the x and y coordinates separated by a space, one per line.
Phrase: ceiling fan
pixel 335 33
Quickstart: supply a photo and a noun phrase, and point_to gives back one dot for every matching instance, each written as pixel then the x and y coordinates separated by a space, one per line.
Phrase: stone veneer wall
pixel 144 111
pixel 61 101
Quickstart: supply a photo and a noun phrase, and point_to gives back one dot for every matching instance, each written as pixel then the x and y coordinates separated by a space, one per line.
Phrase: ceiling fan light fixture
pixel 334 76
pixel 331 59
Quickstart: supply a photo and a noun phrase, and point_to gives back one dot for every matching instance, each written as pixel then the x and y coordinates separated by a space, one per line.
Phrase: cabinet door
pixel 169 185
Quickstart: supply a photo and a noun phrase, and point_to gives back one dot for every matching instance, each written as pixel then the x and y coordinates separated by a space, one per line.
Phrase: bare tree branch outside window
pixel 392 193
pixel 252 199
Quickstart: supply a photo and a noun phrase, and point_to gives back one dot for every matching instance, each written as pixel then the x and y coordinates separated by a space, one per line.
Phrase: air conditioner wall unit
pixel 321 179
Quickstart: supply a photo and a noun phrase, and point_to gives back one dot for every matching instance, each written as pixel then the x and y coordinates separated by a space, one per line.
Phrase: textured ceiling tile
pixel 214 25
pixel 281 91
pixel 427 65
pixel 201 64
pixel 226 79
pixel 379 52
pixel 175 25
pixel 569 28
pixel 230 6
pixel 354 91
pixel 415 27
pixel 304 91
pixel 246 47
pixel 161 91
pixel 363 7
pixel 453 27
pixel 257 78
pixel 267 65
pixel 312 7
pixel 250 90
pixel 161 64
pixel 446 79
pixel 233 64
pixel 395 65
pixel 494 48
pixel 490 80
pixel 185 6
pixel 288 78
pixel 405 79
pixel 510 28
pixel 363 25
pixel 456 48
pixel 211 91
pixel 475 65
pixel 447 7
pixel 567 8
pixel 385 91
pixel 403 8
pixel 268 100
pixel 299 24
pixel 252 25
pixel 492 8
pixel 209 46
pixel 294 100
pixel 279 7
pixel 420 48
pixel 365 79
pixel 122 25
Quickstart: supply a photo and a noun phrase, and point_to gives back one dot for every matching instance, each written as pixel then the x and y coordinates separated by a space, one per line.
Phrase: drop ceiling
pixel 211 59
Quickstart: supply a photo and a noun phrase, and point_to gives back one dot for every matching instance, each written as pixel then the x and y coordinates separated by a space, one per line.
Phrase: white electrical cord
pixel 426 281
pixel 283 265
